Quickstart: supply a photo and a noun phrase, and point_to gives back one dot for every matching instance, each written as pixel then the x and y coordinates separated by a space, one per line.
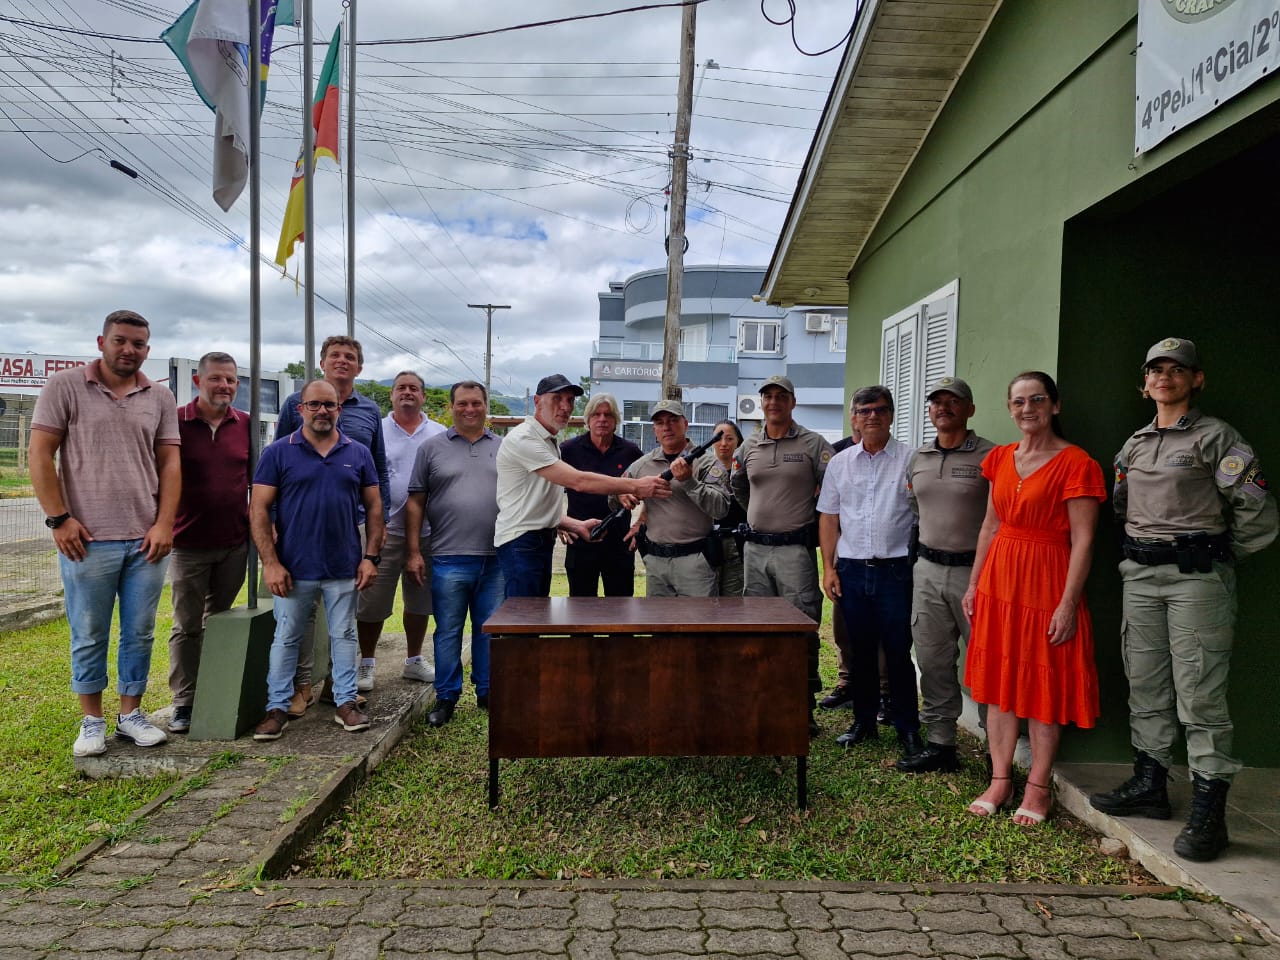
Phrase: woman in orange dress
pixel 1031 641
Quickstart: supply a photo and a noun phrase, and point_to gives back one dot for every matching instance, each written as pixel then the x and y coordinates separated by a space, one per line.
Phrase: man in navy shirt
pixel 341 360
pixel 318 480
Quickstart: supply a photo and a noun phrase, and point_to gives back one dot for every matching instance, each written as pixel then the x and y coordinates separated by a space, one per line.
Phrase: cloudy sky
pixel 525 168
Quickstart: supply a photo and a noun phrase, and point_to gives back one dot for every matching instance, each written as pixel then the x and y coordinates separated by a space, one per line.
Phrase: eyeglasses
pixel 317 405
pixel 1035 400
pixel 883 410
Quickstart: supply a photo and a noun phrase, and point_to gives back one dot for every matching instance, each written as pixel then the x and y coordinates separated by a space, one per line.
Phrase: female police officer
pixel 1193 499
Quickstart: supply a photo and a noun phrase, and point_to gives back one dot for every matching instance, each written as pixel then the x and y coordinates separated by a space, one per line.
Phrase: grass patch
pixel 46 810
pixel 15 483
pixel 424 814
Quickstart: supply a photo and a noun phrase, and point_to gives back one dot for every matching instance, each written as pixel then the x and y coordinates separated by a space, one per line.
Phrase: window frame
pixel 918 347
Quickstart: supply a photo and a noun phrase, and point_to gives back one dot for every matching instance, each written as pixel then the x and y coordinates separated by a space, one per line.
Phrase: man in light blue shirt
pixel 864 531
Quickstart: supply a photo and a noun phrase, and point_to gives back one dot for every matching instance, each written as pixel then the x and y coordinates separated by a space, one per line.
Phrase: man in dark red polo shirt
pixel 211 534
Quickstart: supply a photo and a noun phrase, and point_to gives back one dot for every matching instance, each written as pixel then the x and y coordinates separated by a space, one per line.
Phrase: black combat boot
pixel 1205 835
pixel 1144 794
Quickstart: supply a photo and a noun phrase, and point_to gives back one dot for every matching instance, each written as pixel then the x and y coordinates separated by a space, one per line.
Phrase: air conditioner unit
pixel 749 407
pixel 817 323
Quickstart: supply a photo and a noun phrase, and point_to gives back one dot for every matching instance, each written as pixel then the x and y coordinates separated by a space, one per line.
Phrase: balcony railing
pixel 632 350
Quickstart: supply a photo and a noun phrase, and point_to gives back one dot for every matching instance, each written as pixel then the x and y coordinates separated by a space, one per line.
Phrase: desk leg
pixel 493 783
pixel 802 782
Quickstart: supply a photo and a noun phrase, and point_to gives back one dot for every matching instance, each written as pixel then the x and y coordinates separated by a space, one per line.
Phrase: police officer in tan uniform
pixel 675 541
pixel 948 494
pixel 776 475
pixel 1193 500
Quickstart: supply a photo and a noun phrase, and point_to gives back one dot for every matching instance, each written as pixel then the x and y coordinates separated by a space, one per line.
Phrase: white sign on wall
pixel 1194 55
pixel 32 370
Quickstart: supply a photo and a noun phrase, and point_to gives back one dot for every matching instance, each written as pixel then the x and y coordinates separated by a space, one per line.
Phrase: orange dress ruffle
pixel 1010 662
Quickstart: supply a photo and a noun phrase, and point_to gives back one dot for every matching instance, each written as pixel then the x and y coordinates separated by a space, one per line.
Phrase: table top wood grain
pixel 535 615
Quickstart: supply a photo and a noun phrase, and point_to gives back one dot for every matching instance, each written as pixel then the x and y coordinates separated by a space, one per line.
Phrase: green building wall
pixel 1072 256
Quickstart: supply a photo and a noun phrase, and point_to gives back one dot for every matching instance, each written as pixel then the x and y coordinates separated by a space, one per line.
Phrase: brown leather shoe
pixel 301 700
pixel 271 727
pixel 351 718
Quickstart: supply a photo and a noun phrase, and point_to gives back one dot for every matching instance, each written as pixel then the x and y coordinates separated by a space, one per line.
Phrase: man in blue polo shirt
pixel 318 480
pixel 341 360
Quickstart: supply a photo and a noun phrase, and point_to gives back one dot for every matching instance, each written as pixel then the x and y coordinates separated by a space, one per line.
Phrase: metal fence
pixel 28 560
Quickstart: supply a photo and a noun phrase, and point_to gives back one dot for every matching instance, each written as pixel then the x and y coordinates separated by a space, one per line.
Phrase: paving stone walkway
pixel 629 922
pixel 191 878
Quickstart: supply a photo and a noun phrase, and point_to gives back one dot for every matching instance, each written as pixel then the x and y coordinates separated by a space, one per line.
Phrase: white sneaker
pixel 138 728
pixel 92 741
pixel 419 670
pixel 364 677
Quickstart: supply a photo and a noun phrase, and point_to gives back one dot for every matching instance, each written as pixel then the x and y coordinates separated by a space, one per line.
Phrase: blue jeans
pixel 526 564
pixel 293 614
pixel 462 584
pixel 876 603
pixel 111 569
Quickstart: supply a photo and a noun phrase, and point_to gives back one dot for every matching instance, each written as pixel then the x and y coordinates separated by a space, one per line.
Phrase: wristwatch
pixel 373 558
pixel 53 523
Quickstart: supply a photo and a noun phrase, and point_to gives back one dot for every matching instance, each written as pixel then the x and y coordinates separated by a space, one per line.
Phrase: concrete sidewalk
pixel 192 878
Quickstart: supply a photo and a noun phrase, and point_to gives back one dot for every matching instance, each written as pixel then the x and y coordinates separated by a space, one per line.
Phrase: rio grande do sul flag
pixel 324 118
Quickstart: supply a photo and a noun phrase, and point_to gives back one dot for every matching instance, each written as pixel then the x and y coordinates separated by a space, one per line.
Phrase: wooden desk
pixel 648 676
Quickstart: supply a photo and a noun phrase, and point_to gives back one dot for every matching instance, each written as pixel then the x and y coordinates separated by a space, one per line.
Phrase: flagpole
pixel 308 194
pixel 255 256
pixel 351 168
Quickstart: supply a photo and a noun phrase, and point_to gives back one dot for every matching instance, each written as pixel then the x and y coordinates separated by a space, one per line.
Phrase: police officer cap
pixel 557 382
pixel 777 380
pixel 1175 349
pixel 950 385
pixel 674 407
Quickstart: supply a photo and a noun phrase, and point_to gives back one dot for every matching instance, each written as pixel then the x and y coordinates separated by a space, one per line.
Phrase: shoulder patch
pixel 826 456
pixel 1231 465
pixel 1120 470
pixel 1255 484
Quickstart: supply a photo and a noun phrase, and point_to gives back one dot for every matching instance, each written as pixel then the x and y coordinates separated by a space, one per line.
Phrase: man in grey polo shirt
pixel 948 493
pixel 455 483
pixel 676 544
pixel 530 499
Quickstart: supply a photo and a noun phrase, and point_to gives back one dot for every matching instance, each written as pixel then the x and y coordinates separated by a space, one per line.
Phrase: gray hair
pixel 422 384
pixel 598 400
pixel 216 356
pixel 871 395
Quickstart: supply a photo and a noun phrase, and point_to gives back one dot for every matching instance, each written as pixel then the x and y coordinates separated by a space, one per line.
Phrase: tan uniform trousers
pixel 1176 637
pixel 688 576
pixel 938 624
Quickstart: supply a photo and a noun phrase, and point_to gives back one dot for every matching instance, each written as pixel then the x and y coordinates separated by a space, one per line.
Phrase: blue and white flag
pixel 211 40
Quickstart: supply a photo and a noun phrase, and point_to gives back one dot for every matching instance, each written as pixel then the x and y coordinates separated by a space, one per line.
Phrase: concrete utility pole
pixel 488 309
pixel 679 189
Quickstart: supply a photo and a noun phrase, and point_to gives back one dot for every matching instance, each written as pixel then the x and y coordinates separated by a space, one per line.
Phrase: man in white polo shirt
pixel 404 430
pixel 531 478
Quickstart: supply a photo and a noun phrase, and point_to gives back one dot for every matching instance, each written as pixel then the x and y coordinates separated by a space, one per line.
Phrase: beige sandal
pixel 985 808
pixel 1034 816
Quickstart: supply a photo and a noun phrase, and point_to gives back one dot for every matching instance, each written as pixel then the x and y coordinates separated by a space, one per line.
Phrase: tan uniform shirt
pixel 948 493
pixel 694 505
pixel 1198 476
pixel 776 481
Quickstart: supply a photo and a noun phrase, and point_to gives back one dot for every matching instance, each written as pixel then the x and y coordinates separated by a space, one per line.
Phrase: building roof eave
pixel 898 71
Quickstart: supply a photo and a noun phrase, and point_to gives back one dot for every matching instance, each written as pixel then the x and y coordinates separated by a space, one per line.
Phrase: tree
pixel 297 370
pixel 377 392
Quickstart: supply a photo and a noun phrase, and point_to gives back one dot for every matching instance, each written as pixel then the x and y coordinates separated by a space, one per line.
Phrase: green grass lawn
pixel 46 810
pixel 424 813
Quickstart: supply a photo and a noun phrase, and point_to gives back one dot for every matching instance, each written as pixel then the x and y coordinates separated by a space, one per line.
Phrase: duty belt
pixel 669 550
pixel 945 558
pixel 1192 552
pixel 801 536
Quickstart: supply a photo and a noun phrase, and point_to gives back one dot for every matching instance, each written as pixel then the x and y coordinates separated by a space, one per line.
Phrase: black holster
pixel 713 549
pixel 1193 552
pixel 642 541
